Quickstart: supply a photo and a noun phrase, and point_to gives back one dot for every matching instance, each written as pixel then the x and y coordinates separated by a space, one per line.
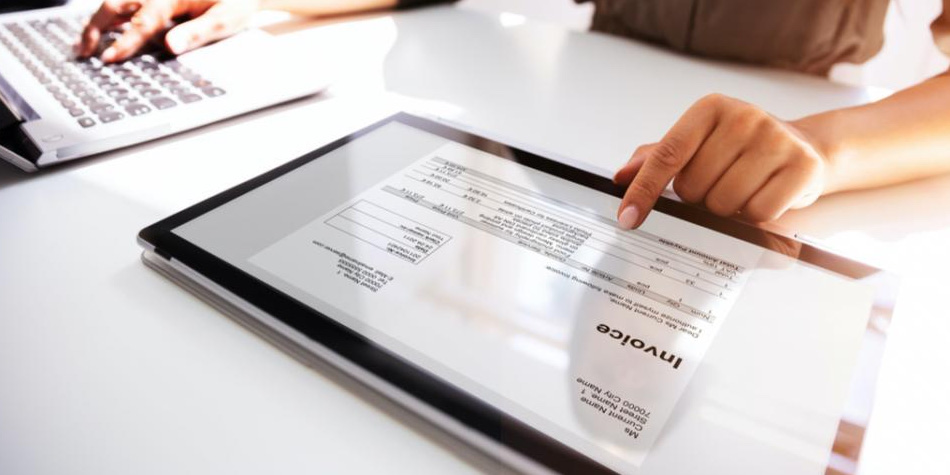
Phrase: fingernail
pixel 131 8
pixel 177 44
pixel 628 217
pixel 109 54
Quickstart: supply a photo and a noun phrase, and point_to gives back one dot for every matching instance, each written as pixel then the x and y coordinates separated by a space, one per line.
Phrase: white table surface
pixel 106 367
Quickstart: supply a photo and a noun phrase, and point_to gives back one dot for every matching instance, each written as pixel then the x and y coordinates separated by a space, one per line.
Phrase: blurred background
pixel 909 54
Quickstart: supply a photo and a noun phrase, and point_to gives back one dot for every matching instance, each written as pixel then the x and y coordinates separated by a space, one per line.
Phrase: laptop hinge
pixel 8 118
pixel 20 162
pixel 15 146
pixel 13 106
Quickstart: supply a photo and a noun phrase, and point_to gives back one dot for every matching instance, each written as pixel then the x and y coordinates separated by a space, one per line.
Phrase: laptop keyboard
pixel 95 93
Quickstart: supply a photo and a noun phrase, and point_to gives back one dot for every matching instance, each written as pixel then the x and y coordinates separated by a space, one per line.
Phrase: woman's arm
pixel 735 158
pixel 210 20
pixel 903 137
pixel 326 7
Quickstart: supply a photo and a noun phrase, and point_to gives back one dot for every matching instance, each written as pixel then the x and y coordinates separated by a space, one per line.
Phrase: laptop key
pixel 90 100
pixel 213 91
pixel 189 98
pixel 110 116
pixel 135 109
pixel 174 65
pixel 76 112
pixel 162 102
pixel 86 122
pixel 101 107
pixel 90 63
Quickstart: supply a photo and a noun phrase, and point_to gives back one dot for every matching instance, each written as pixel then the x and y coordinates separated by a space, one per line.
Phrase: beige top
pixel 804 35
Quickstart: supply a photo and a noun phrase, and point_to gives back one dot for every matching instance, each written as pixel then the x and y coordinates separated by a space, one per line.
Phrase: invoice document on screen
pixel 519 288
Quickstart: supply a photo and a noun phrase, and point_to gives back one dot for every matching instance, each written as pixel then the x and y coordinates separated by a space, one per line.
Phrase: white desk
pixel 105 367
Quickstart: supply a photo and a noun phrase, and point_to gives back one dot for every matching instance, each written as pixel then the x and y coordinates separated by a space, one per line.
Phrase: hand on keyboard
pixel 142 20
pixel 91 92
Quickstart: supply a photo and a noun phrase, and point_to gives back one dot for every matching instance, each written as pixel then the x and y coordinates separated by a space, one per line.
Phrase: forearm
pixel 903 137
pixel 326 7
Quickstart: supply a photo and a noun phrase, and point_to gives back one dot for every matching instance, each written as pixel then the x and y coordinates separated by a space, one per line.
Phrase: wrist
pixel 823 133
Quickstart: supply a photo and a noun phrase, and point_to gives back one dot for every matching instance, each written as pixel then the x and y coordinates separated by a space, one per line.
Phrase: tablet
pixel 490 291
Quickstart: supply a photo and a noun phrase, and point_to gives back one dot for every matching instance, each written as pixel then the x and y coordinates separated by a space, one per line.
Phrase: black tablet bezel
pixel 473 413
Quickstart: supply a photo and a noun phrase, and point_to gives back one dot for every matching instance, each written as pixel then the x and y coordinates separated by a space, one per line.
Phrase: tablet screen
pixel 516 287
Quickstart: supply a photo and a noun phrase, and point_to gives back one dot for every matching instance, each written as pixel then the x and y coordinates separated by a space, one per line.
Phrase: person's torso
pixel 805 35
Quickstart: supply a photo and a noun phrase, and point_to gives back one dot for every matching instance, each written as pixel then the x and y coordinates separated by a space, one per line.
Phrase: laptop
pixel 489 291
pixel 55 108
